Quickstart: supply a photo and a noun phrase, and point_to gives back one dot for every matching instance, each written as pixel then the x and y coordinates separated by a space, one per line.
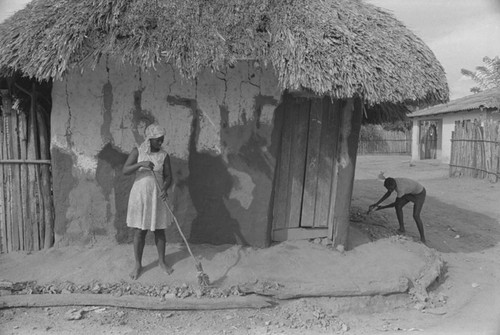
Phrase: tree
pixel 487 76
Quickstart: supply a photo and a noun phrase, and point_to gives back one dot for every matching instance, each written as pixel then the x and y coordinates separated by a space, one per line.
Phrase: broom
pixel 203 279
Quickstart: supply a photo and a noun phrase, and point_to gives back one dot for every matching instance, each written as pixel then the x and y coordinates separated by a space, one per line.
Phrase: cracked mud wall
pixel 219 137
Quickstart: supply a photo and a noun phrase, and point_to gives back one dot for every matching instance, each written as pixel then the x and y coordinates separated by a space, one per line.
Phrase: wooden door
pixel 305 171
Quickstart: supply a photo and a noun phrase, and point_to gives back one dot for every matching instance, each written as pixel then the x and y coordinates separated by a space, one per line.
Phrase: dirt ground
pixel 462 224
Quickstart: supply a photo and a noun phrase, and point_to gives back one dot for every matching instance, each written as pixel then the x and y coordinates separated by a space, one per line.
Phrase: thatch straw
pixel 340 48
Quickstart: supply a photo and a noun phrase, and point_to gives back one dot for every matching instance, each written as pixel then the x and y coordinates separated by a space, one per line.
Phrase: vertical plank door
pixel 305 169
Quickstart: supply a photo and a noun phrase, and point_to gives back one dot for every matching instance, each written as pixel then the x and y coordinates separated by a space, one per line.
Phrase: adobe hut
pixel 262 101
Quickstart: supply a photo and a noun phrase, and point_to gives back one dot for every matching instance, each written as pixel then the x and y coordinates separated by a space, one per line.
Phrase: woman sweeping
pixel 145 208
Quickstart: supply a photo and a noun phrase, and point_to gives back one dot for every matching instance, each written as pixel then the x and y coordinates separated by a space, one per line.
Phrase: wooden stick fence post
pixel 6 180
pixel 497 151
pixel 13 196
pixel 25 185
pixel 454 146
pixel 3 218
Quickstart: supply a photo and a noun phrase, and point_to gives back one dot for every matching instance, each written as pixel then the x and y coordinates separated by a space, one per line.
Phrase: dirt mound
pixel 287 270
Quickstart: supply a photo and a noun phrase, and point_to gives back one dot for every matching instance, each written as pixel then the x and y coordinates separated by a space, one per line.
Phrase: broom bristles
pixel 203 279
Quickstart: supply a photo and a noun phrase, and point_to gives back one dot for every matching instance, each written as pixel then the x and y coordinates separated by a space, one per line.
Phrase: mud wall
pixel 219 136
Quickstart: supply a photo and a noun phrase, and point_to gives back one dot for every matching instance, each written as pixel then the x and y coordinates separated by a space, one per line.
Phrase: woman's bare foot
pixel 166 268
pixel 136 272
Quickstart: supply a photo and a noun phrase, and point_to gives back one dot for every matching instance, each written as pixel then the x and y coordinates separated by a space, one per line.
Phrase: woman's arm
pixel 131 165
pixel 167 173
pixel 167 177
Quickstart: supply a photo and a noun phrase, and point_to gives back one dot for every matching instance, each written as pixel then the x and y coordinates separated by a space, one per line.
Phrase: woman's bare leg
pixel 160 242
pixel 139 241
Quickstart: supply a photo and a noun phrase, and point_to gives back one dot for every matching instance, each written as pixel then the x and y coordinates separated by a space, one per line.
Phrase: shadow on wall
pixel 63 183
pixel 209 184
pixel 111 179
pixel 203 187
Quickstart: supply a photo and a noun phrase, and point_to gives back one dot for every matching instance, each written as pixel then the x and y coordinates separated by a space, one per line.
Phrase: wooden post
pixel 3 221
pixel 37 200
pixel 25 183
pixel 14 218
pixel 6 181
pixel 338 108
pixel 452 153
pixel 16 186
pixel 498 165
pixel 47 236
pixel 497 152
pixel 351 116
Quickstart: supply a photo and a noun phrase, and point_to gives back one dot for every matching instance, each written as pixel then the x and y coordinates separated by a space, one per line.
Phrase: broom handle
pixel 175 219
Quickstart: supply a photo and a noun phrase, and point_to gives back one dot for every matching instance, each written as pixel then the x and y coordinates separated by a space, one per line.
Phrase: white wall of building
pixel 444 132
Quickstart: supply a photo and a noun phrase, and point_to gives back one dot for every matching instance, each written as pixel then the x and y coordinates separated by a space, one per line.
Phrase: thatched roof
pixel 331 47
pixel 488 100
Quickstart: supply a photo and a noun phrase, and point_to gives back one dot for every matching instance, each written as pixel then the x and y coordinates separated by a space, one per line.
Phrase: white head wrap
pixel 152 131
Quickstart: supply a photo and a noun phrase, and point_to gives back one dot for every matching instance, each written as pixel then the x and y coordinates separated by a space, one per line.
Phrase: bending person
pixel 407 190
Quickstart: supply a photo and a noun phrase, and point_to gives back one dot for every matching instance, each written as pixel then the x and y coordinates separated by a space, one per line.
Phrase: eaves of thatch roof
pixel 488 100
pixel 340 48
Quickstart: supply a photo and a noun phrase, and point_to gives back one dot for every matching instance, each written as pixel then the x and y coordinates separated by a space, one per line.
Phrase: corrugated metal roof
pixel 486 99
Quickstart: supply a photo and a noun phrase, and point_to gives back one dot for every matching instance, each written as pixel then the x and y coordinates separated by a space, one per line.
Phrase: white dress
pixel 146 210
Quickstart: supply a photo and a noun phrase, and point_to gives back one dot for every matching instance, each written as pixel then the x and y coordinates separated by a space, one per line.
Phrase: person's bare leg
pixel 399 213
pixel 160 242
pixel 139 242
pixel 417 209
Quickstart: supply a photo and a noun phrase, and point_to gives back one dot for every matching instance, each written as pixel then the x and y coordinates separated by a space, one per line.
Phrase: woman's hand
pixel 164 194
pixel 147 164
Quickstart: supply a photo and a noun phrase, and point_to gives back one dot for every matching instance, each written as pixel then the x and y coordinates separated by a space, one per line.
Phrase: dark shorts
pixel 415 198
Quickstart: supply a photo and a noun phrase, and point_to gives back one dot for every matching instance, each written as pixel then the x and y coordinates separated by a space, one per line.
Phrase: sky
pixel 459 32
pixel 9 7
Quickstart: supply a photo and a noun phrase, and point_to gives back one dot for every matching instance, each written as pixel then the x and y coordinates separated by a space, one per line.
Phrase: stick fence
pixel 385 142
pixel 475 150
pixel 26 206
